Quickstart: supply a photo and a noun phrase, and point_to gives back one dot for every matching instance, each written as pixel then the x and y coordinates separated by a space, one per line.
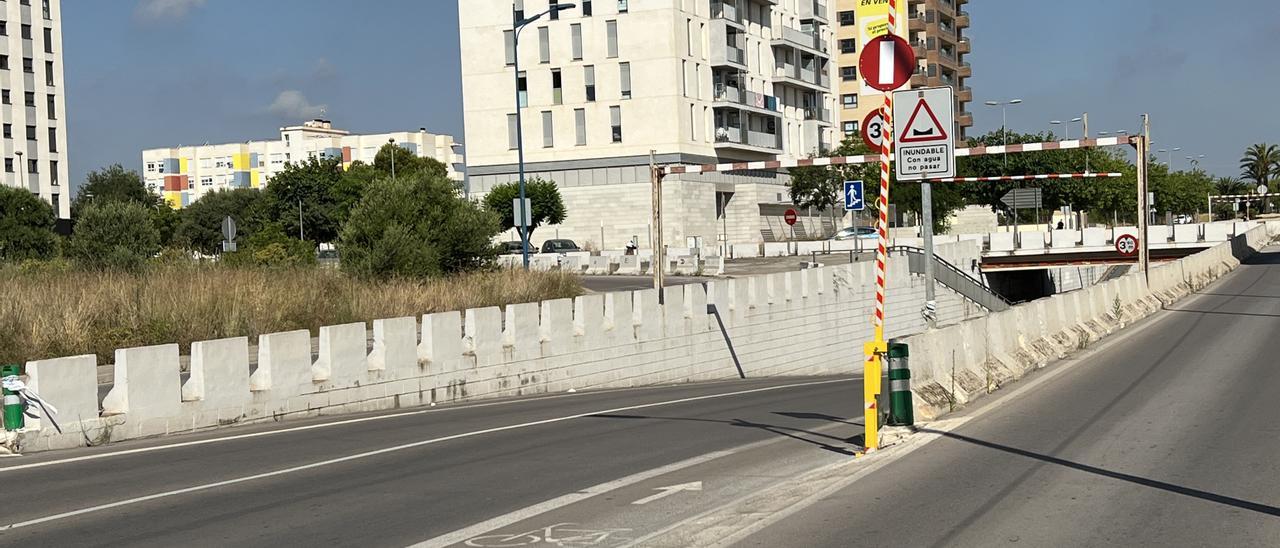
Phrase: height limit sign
pixel 924 136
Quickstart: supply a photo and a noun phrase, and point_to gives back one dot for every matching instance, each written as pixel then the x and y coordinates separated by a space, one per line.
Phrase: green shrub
pixel 26 226
pixel 416 226
pixel 114 236
pixel 270 247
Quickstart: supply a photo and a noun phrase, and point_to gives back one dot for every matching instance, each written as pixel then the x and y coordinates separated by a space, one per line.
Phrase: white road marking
pixel 664 492
pixel 402 447
pixel 888 68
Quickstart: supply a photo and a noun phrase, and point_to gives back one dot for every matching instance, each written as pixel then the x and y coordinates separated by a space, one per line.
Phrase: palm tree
pixel 1260 163
pixel 1226 186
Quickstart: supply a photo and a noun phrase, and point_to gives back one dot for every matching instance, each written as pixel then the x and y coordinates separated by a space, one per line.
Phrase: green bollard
pixel 901 410
pixel 13 419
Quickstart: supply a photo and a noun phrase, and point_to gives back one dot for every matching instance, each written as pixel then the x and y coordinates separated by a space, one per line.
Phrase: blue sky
pixel 153 73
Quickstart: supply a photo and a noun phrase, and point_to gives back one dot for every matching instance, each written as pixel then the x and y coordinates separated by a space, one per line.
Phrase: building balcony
pixel 729 56
pixel 736 138
pixel 964 118
pixel 727 95
pixel 963 46
pixel 921 48
pixel 817 114
pixel 964 94
pixel 809 42
pixel 727 12
pixel 962 19
pixel 919 80
pixel 804 78
pixel 915 21
pixel 813 10
pixel 965 70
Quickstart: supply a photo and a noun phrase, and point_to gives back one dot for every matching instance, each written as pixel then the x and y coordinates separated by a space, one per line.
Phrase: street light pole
pixel 21 166
pixel 517 25
pixel 1004 123
pixel 392 142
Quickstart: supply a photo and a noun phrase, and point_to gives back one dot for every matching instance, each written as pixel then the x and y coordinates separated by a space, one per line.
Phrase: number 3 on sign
pixel 873 130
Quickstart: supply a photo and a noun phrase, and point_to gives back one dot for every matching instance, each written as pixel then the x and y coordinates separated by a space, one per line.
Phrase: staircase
pixel 954 278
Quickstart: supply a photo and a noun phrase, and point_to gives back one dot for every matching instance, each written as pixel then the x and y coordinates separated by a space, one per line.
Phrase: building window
pixel 28 66
pixel 586 8
pixel 33 166
pixel 544 45
pixel 548 130
pixel 52 107
pixel 53 139
pixel 4 97
pixel 846 18
pixel 575 37
pixel 518 6
pixel 4 28
pixel 589 78
pixel 509 42
pixel 8 165
pixel 851 127
pixel 8 131
pixel 29 98
pixel 622 6
pixel 26 32
pixel 848 45
pixel 849 100
pixel 512 140
pixel 611 39
pixel 557 87
pixel 48 40
pixel 580 126
pixel 4 62
pixel 848 74
pixel 615 123
pixel 53 172
pixel 522 89
pixel 624 79
pixel 31 133
pixel 44 8
pixel 48 73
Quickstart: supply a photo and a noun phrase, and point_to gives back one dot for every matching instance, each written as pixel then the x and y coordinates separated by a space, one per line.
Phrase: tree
pixel 1227 186
pixel 26 226
pixel 416 226
pixel 269 246
pixel 547 207
pixel 114 183
pixel 114 236
pixel 310 184
pixel 201 224
pixel 1260 163
pixel 406 162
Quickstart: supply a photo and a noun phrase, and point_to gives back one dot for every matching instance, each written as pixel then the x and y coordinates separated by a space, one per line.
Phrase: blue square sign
pixel 853 196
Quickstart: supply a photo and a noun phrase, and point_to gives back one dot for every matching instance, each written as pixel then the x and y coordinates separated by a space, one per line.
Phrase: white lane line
pixel 150 449
pixel 366 454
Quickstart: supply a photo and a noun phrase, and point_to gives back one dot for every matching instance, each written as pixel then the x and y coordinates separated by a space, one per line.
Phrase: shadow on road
pixel 785 431
pixel 1148 482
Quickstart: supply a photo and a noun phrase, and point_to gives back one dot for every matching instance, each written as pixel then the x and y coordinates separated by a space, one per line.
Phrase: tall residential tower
pixel 33 100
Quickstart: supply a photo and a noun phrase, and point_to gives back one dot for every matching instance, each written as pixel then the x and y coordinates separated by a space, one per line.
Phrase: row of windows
pixel 575 37
pixel 28 66
pixel 31 135
pixel 33 166
pixel 584 7
pixel 588 83
pixel 26 35
pixel 579 123
pixel 29 99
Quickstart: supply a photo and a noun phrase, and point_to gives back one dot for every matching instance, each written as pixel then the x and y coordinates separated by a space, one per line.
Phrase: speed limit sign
pixel 873 130
pixel 1127 244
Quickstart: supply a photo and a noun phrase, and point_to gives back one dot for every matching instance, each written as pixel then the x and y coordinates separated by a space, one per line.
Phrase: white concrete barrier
pixel 1095 237
pixel 221 364
pixel 70 382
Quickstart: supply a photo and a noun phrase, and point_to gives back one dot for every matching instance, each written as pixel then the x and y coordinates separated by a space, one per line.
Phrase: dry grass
pixel 46 314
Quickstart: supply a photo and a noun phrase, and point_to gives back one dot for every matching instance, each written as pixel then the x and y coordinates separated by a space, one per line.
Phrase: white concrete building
pixel 33 100
pixel 183 174
pixel 603 84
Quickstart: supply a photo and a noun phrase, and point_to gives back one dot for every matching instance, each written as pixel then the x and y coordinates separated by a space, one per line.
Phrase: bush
pixel 114 236
pixel 201 226
pixel 26 226
pixel 416 226
pixel 270 247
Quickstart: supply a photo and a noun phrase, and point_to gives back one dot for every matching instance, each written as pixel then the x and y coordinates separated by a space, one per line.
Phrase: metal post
pixel 1143 243
pixel 13 419
pixel 901 409
pixel 926 230
pixel 515 50
pixel 301 236
pixel 392 142
pixel 659 255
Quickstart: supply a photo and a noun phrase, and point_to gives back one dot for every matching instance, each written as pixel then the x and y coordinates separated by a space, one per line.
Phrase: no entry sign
pixel 887 62
pixel 789 216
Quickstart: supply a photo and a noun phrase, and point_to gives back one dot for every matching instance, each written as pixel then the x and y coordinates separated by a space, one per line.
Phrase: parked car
pixel 512 248
pixel 559 246
pixel 1183 219
pixel 856 232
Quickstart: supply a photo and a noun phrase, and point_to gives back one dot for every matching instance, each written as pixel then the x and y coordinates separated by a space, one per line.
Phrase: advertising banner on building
pixel 872 17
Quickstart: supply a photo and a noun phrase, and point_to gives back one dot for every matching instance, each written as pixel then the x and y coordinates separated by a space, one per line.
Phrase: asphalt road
pixel 1168 436
pixel 400 479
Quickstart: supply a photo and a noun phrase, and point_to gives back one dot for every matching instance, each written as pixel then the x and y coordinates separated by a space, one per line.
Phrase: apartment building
pixel 605 83
pixel 935 29
pixel 33 100
pixel 183 174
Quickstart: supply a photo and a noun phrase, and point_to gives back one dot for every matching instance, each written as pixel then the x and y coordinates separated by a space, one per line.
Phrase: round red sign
pixel 887 62
pixel 873 130
pixel 790 216
pixel 1127 244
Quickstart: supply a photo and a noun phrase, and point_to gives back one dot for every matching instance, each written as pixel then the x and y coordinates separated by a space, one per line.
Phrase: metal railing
pixel 947 274
pixel 731 134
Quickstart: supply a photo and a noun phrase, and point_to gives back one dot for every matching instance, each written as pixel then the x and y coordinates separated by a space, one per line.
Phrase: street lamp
pixel 1066 126
pixel 21 167
pixel 392 142
pixel 1004 122
pixel 1169 156
pixel 517 24
pixel 1195 160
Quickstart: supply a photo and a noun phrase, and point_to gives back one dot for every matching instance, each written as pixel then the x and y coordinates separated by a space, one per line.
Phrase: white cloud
pixel 156 10
pixel 292 105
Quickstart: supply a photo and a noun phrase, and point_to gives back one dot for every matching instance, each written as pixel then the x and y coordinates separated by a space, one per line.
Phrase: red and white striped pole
pixel 876 348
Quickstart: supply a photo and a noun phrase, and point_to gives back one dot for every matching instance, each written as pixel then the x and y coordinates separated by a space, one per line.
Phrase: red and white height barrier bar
pixel 868 158
pixel 1090 175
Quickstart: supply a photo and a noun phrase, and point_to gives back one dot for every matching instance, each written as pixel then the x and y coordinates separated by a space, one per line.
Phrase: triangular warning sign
pixel 929 130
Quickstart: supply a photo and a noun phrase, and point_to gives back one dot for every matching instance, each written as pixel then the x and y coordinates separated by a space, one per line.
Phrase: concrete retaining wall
pixel 954 365
pixel 810 322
